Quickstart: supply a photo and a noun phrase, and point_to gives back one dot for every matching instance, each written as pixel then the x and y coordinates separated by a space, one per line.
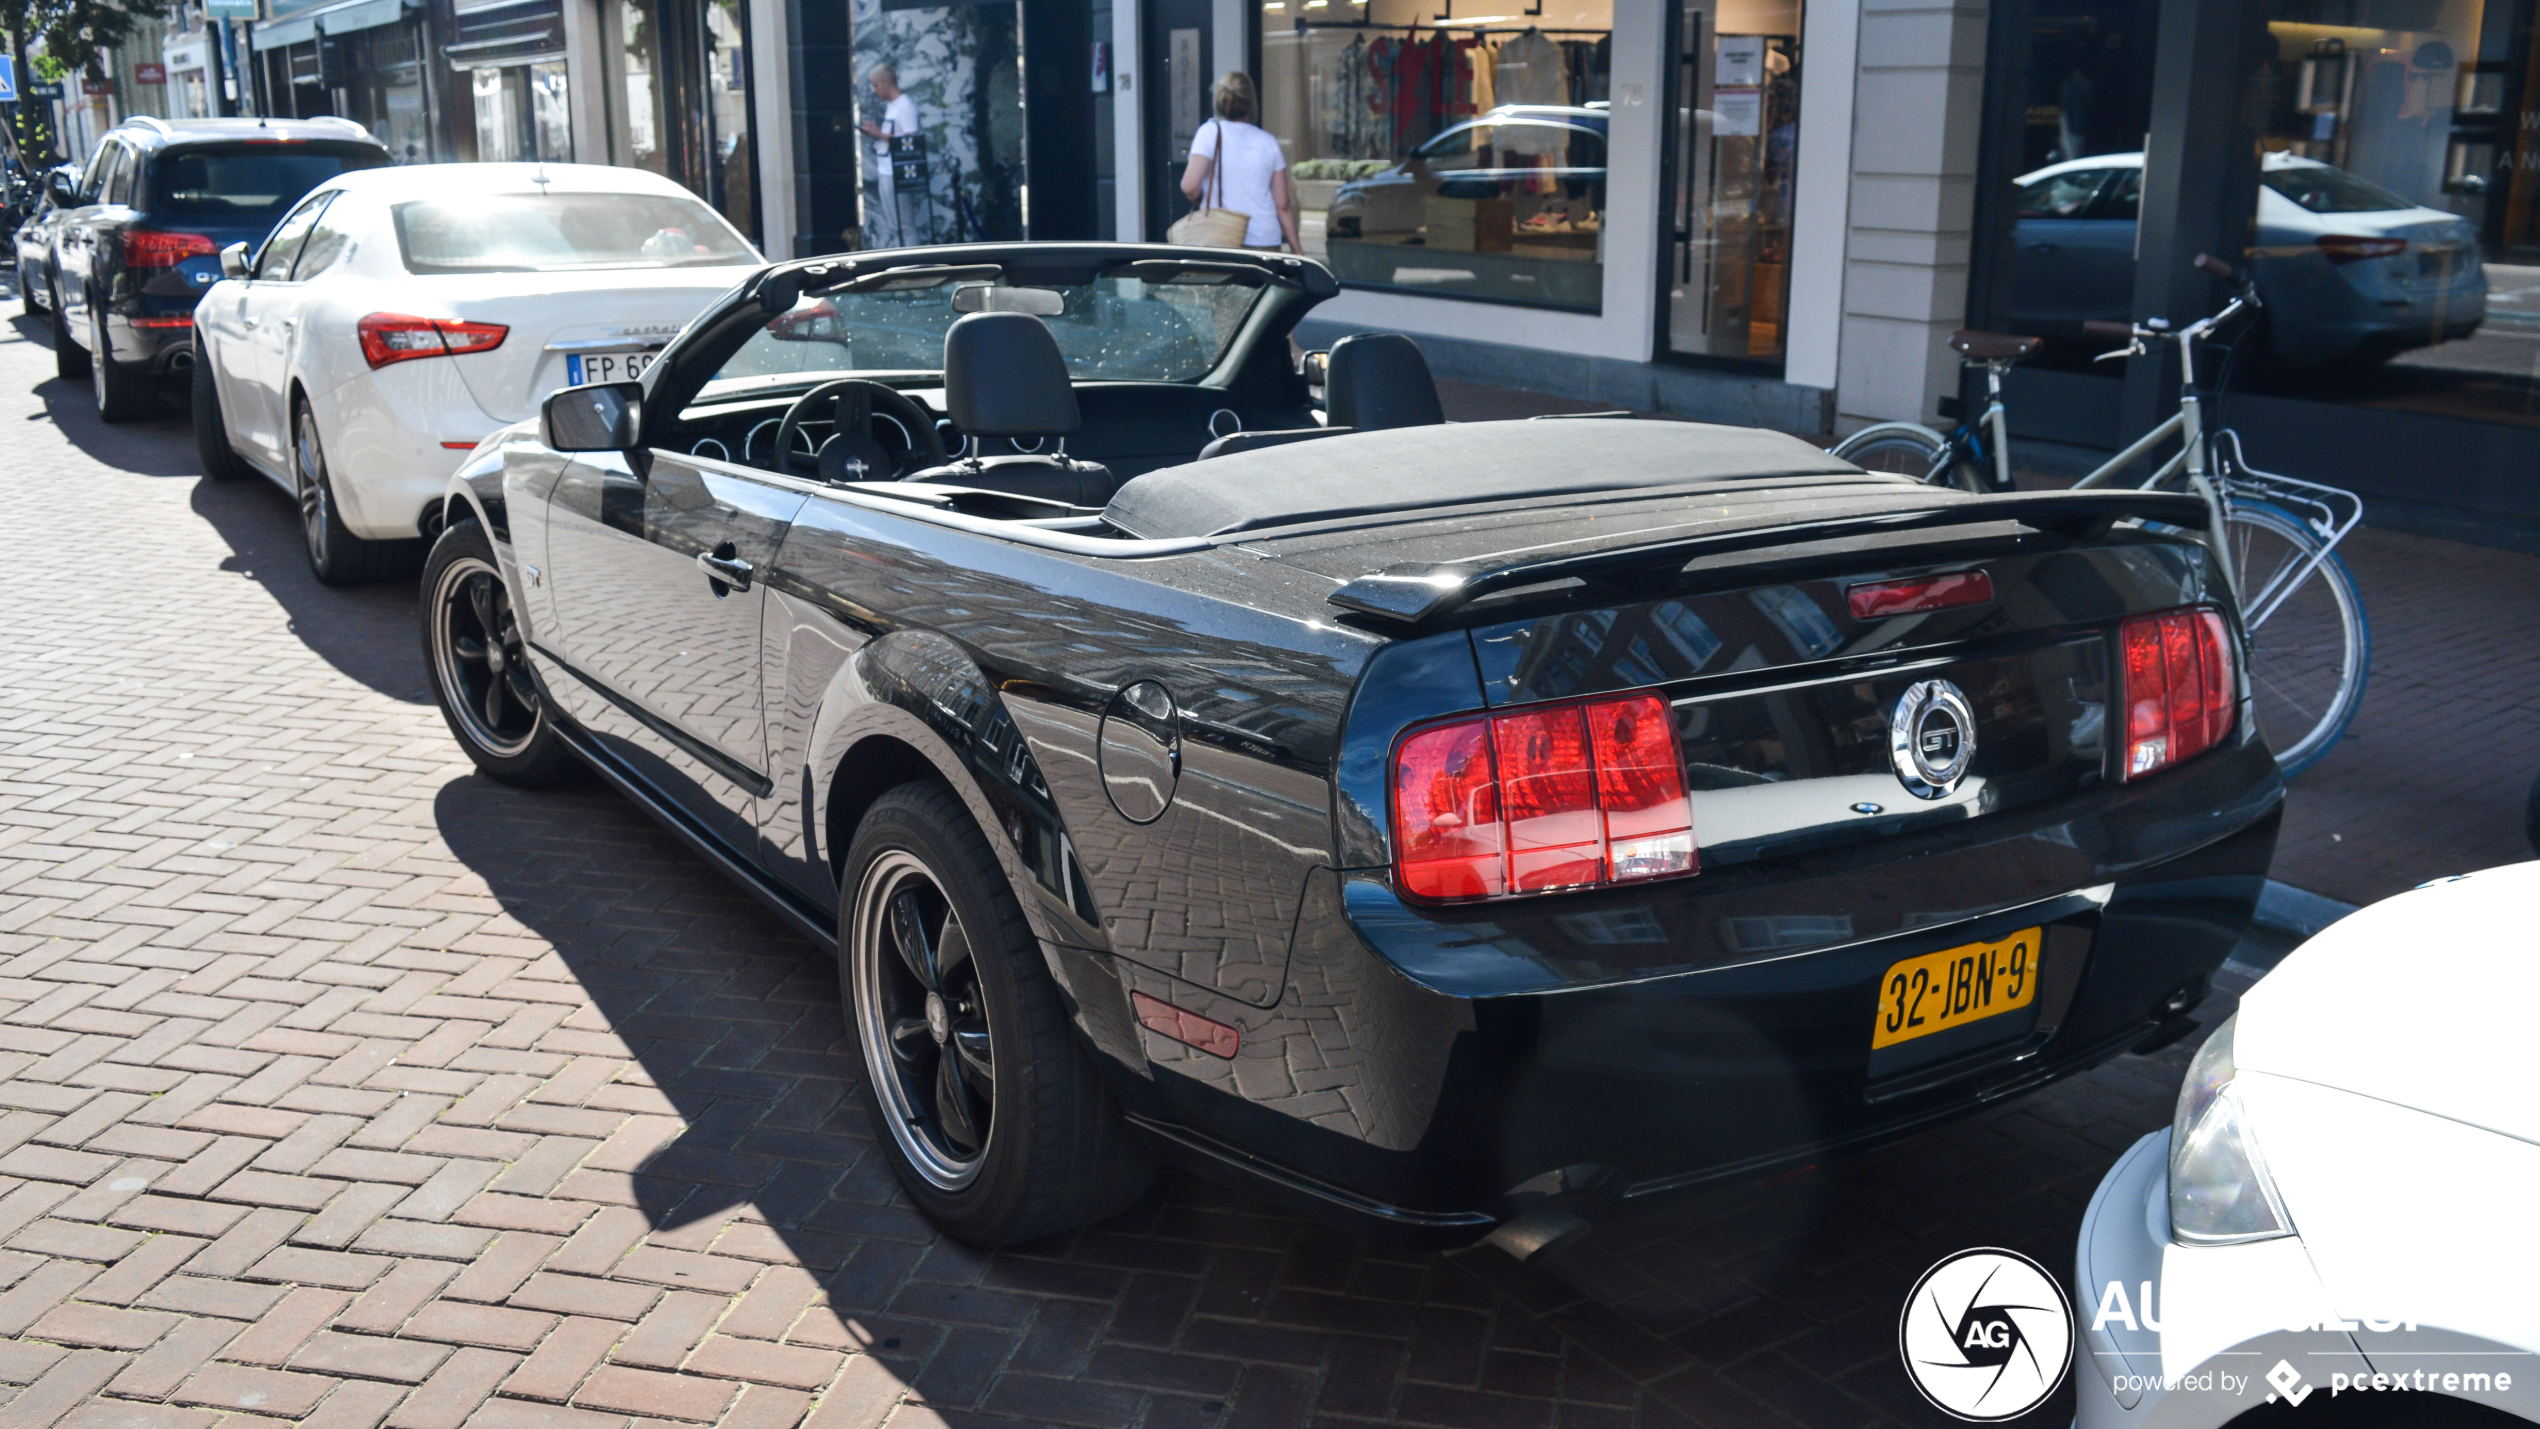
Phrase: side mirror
pixel 606 418
pixel 233 261
pixel 62 188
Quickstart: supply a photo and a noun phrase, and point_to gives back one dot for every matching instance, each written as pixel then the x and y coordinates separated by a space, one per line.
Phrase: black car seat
pixel 1003 377
pixel 1376 380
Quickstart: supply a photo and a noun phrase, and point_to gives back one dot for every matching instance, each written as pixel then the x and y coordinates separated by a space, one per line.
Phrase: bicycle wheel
pixel 1900 450
pixel 2310 649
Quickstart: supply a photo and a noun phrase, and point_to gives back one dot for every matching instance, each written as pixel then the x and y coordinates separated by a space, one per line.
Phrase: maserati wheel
pixel 477 659
pixel 993 1117
pixel 336 555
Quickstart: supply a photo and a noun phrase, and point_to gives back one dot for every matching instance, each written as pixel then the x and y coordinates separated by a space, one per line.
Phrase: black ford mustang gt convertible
pixel 1195 752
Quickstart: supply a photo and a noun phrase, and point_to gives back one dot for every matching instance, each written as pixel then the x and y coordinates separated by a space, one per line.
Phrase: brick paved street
pixel 341 1086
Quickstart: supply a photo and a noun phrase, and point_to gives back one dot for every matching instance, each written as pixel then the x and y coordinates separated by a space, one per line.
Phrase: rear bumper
pixel 1414 1114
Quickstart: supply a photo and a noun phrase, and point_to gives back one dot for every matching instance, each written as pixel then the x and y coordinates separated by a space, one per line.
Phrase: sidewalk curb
pixel 2283 908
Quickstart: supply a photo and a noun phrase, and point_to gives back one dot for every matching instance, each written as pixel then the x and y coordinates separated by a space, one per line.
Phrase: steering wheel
pixel 852 453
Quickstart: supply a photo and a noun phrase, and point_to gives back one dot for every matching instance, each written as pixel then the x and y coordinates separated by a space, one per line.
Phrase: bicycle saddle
pixel 1993 346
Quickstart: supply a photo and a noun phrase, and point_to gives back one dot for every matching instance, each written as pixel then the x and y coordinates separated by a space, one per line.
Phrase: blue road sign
pixel 8 79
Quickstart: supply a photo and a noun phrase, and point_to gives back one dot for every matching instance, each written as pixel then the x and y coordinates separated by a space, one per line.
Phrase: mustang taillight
pixel 150 248
pixel 1542 798
pixel 2180 690
pixel 396 337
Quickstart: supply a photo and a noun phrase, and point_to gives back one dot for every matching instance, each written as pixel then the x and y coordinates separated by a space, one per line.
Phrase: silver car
pixel 2349 270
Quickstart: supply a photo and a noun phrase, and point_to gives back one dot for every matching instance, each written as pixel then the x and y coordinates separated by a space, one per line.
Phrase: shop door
pixel 1732 136
pixel 1180 37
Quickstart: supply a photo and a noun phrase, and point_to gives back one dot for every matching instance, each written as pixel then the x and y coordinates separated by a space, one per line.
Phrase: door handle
pixel 724 568
pixel 290 323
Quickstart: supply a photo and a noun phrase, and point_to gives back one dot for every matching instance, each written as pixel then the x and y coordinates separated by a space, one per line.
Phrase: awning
pixel 507 32
pixel 339 19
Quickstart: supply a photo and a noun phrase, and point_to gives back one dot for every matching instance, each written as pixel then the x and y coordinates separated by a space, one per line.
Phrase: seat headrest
pixel 1003 377
pixel 1376 380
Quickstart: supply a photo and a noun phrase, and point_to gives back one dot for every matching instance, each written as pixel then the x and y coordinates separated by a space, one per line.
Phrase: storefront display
pixel 1735 144
pixel 960 67
pixel 684 70
pixel 509 56
pixel 1465 159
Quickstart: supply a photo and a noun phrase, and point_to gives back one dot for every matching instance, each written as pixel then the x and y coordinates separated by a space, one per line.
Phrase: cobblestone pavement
pixel 340 1086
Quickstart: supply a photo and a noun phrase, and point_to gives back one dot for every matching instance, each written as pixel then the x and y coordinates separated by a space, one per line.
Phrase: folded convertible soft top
pixel 1410 469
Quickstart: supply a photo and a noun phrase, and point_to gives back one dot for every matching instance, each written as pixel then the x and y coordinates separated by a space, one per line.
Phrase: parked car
pixel 397 316
pixel 1455 830
pixel 1523 180
pixel 140 236
pixel 34 241
pixel 2348 270
pixel 2345 1188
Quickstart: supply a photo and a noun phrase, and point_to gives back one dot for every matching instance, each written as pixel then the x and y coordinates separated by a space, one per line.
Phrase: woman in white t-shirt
pixel 1252 175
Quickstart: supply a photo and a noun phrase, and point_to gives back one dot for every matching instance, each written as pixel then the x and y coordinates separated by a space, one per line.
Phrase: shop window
pixel 521 113
pixel 959 176
pixel 1464 159
pixel 1733 150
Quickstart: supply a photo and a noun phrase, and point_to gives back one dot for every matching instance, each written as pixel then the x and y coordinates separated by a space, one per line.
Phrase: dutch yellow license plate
pixel 1956 986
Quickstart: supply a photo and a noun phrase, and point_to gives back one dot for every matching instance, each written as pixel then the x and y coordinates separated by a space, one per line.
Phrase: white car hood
pixel 2430 1001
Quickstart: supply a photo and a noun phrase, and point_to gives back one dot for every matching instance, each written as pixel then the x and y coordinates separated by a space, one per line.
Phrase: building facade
pixel 1760 211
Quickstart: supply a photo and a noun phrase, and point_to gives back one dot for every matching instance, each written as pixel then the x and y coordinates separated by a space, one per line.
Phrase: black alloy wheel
pixel 992 1116
pixel 336 555
pixel 70 360
pixel 928 1049
pixel 476 657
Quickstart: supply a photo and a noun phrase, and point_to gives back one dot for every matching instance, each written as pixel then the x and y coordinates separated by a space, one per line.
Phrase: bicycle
pixel 2274 537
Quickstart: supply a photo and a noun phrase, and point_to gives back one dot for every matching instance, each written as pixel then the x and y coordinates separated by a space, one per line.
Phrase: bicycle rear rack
pixel 2330 512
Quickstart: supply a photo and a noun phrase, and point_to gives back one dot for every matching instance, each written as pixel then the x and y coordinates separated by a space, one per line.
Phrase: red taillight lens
pixel 396 337
pixel 1877 602
pixel 149 248
pixel 2350 248
pixel 1542 798
pixel 2180 688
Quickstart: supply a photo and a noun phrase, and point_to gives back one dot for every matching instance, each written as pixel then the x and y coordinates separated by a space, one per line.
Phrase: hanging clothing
pixel 1531 69
pixel 1384 63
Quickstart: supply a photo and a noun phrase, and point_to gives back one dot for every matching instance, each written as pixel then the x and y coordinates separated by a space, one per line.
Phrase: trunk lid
pixel 554 316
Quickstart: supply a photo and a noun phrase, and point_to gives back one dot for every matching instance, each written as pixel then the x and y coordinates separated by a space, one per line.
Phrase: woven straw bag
pixel 1209 226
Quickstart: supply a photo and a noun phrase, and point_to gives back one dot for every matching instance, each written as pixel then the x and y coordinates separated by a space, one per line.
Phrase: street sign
pixel 150 74
pixel 8 79
pixel 97 86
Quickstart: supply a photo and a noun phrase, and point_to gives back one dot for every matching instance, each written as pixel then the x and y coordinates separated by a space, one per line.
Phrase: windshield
pixel 248 183
pixel 519 233
pixel 2321 189
pixel 1118 329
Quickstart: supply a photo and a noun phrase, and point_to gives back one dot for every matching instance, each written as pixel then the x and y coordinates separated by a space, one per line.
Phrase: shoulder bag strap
pixel 1217 171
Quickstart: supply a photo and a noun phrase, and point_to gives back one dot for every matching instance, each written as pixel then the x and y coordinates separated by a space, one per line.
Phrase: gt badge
pixel 1932 738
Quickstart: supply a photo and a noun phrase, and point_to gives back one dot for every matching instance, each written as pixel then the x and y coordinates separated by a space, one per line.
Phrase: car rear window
pixel 249 182
pixel 2321 189
pixel 517 233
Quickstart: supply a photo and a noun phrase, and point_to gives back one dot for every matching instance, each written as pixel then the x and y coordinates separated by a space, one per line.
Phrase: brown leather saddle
pixel 1993 346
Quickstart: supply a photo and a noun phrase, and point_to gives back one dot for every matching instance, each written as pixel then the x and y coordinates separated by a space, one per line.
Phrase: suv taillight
pixel 395 337
pixel 2180 688
pixel 150 248
pixel 1541 798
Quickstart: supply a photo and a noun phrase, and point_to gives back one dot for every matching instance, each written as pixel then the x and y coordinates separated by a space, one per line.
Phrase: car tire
pixel 473 654
pixel 336 556
pixel 122 394
pixel 220 460
pixel 27 290
pixel 70 360
pixel 984 1037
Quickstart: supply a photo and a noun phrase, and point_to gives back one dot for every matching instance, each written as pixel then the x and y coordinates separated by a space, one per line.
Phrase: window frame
pixel 315 205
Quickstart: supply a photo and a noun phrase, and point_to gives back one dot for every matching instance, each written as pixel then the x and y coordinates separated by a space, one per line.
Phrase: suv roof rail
pixel 151 122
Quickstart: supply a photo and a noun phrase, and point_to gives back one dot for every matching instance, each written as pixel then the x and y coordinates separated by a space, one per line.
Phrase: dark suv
pixel 140 235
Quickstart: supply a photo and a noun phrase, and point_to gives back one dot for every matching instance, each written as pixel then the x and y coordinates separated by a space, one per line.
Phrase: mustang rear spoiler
pixel 1415 593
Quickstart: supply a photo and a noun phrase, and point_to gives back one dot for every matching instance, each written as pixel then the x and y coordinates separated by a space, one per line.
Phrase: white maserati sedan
pixel 2340 1219
pixel 396 316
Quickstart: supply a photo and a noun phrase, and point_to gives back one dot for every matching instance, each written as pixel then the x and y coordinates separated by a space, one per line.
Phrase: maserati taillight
pixel 2180 687
pixel 396 337
pixel 1542 798
pixel 2343 248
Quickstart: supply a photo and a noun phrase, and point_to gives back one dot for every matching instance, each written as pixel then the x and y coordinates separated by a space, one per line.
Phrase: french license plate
pixel 582 367
pixel 1956 986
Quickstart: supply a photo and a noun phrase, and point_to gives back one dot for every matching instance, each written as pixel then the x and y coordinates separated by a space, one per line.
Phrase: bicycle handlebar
pixel 2115 332
pixel 2217 267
